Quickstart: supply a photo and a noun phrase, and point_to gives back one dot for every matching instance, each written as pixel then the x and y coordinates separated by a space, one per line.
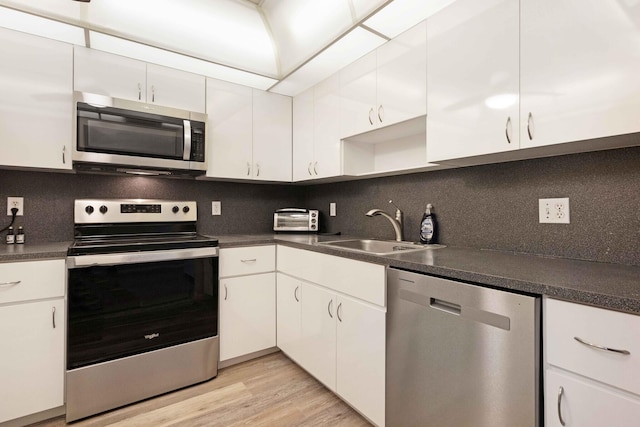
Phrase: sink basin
pixel 378 247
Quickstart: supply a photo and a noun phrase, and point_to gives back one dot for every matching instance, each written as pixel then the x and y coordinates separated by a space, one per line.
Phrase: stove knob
pixel 103 209
pixel 175 209
pixel 185 209
pixel 89 209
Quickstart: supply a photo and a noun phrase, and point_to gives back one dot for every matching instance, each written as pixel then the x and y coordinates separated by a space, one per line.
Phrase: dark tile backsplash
pixel 487 207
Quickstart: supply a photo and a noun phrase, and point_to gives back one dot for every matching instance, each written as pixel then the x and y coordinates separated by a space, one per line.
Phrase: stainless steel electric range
pixel 142 303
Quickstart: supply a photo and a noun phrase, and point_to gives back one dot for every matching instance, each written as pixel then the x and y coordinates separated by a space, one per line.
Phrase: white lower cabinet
pixel 32 337
pixel 247 294
pixel 247 315
pixel 591 371
pixel 337 338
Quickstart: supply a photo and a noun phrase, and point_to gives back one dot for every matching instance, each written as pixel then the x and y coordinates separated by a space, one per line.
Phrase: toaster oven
pixel 296 219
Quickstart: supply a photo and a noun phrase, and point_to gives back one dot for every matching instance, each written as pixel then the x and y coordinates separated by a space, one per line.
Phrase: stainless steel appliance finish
pixel 296 219
pixel 142 303
pixel 379 247
pixel 460 355
pixel 119 135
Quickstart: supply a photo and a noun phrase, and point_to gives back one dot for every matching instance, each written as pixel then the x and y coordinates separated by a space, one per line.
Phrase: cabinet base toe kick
pixel 104 386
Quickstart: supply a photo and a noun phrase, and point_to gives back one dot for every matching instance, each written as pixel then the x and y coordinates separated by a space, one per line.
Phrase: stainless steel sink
pixel 378 247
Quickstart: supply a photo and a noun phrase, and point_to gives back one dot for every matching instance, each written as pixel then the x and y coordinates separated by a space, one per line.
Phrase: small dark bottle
pixel 11 238
pixel 428 227
pixel 20 236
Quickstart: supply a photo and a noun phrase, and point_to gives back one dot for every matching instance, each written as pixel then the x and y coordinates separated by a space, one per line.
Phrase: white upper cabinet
pixel 472 79
pixel 36 96
pixel 386 86
pixel 580 66
pixel 120 77
pixel 248 133
pixel 271 136
pixel 316 131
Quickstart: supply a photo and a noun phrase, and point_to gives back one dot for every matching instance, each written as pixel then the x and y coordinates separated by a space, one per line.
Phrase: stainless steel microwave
pixel 127 136
pixel 296 219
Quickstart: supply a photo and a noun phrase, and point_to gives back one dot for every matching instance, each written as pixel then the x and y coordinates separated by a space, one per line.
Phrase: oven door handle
pixel 81 261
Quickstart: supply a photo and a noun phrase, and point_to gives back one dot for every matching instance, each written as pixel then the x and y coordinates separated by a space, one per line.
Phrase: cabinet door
pixel 326 128
pixel 318 334
pixel 585 404
pixel 402 77
pixel 303 117
pixel 580 64
pixel 473 79
pixel 108 74
pixel 175 88
pixel 358 96
pixel 271 136
pixel 361 357
pixel 36 110
pixel 229 129
pixel 247 315
pixel 288 296
pixel 32 368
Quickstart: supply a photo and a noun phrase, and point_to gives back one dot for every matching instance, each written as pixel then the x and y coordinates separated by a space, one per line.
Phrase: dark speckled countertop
pixel 611 286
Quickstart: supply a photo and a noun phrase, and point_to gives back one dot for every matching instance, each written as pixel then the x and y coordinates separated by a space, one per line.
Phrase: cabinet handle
pixel 153 94
pixel 329 308
pixel 226 292
pixel 560 393
pixel 10 284
pixel 601 347
pixel 338 312
pixel 295 293
pixel 381 113
pixel 64 151
pixel 248 168
pixel 530 126
pixel 53 317
pixel 315 168
pixel 257 169
pixel 247 261
pixel 139 92
pixel 506 129
pixel 309 169
pixel 370 118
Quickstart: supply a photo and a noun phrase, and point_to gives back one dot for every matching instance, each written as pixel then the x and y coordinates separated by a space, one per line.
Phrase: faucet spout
pixel 396 223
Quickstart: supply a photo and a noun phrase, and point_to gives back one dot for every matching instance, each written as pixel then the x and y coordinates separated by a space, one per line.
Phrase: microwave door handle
pixel 186 155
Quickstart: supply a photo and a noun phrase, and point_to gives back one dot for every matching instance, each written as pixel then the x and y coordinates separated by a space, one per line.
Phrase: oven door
pixel 129 303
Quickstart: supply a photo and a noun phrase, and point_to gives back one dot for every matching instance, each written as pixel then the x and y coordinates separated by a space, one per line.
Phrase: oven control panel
pixel 94 211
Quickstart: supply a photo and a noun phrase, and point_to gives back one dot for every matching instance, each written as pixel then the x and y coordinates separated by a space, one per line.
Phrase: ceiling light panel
pixel 158 56
pixel 27 23
pixel 400 15
pixel 343 52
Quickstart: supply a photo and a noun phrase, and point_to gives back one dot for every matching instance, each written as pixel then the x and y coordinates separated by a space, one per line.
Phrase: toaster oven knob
pixel 175 209
pixel 89 209
pixel 103 209
pixel 185 209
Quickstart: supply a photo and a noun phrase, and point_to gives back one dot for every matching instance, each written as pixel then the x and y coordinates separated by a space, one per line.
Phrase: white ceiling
pixel 282 45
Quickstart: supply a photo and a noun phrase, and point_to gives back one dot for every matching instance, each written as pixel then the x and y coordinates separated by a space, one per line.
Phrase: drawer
pixel 358 279
pixel 566 321
pixel 248 260
pixel 584 403
pixel 30 280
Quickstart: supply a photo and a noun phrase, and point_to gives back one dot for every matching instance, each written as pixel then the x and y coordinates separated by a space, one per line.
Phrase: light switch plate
pixel 332 209
pixel 553 211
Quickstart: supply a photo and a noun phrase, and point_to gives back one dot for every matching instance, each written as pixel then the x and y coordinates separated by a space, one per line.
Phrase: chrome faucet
pixel 395 222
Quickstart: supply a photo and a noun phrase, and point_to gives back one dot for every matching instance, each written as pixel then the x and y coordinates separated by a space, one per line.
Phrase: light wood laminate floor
pixel 269 391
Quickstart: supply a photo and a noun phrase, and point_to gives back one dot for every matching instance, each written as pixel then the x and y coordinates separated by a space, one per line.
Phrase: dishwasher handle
pixel 447 306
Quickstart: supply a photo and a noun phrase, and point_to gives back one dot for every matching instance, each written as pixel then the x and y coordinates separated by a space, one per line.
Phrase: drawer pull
pixel 560 393
pixel 10 284
pixel 53 317
pixel 247 261
pixel 226 292
pixel 601 347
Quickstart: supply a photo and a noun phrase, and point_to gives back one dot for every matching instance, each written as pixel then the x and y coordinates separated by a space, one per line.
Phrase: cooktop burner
pixel 134 225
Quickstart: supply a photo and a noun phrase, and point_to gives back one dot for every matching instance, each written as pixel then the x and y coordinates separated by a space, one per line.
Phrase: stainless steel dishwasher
pixel 460 355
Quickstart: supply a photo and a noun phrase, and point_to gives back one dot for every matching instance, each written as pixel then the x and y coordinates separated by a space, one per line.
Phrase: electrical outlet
pixel 15 202
pixel 216 208
pixel 332 209
pixel 553 211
